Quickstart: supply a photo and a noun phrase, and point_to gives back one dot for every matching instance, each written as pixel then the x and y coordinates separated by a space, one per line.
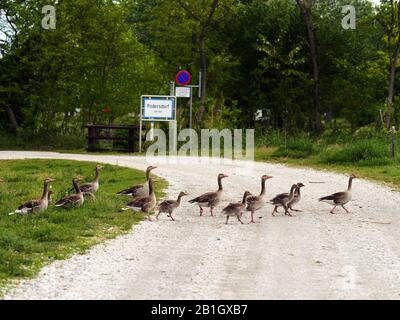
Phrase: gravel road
pixel 314 255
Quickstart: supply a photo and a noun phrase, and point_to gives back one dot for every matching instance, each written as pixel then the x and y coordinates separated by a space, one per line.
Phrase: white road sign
pixel 157 108
pixel 182 92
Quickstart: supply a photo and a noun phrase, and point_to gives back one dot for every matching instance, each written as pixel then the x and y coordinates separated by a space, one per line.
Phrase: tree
pixel 389 19
pixel 305 9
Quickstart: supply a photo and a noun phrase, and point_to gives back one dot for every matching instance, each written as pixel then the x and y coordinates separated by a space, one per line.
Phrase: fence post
pixel 392 147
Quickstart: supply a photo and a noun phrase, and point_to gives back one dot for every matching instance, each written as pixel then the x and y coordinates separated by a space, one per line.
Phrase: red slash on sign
pixel 183 78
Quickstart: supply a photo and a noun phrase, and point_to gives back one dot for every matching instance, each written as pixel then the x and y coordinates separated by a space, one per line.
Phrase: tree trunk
pixel 305 12
pixel 204 25
pixel 12 118
pixel 393 58
pixel 389 107
pixel 203 69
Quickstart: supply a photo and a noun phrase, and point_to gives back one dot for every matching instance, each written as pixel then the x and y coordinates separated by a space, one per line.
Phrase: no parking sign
pixel 183 78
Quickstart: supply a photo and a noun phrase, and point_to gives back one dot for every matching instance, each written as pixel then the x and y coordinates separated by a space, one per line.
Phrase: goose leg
pixel 275 210
pixel 227 218
pixel 287 211
pixel 332 211
pixel 240 220
pixel 201 211
pixel 211 210
pixel 170 215
pixel 252 217
pixel 346 209
pixel 159 212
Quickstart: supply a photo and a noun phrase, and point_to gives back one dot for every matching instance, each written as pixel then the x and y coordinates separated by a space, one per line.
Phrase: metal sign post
pixel 157 108
pixel 183 78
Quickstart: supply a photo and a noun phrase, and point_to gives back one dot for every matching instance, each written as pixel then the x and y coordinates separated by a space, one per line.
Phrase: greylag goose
pixel 283 200
pixel 73 200
pixel 92 187
pixel 140 190
pixel 210 199
pixel 168 206
pixel 145 204
pixel 297 197
pixel 236 209
pixel 340 198
pixel 255 203
pixel 38 205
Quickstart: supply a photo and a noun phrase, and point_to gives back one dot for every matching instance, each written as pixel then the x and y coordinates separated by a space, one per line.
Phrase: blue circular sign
pixel 183 78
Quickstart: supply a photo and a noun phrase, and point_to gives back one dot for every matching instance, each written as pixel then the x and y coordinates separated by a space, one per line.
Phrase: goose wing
pixel 335 198
pixel 280 197
pixel 231 207
pixel 68 200
pixel 139 203
pixel 133 190
pixel 204 198
pixel 28 206
pixel 167 204
pixel 252 199
pixel 86 187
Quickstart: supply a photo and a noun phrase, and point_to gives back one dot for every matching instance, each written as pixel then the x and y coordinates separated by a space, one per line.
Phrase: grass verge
pixel 27 243
pixel 382 170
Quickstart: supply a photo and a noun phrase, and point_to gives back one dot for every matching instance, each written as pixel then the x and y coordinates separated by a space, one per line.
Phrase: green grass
pixel 369 160
pixel 29 242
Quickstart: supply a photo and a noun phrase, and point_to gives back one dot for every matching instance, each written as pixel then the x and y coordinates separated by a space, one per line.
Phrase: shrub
pixel 363 152
pixel 299 148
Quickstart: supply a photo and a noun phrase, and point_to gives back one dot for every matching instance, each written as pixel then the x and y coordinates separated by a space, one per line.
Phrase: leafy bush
pixel 299 148
pixel 363 152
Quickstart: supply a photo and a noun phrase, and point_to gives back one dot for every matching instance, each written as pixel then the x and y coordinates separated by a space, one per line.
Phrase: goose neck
pixel 350 183
pixel 75 183
pixel 262 187
pixel 219 184
pixel 45 193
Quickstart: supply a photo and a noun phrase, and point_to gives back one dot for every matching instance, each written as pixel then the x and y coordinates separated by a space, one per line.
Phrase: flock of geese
pixel 144 198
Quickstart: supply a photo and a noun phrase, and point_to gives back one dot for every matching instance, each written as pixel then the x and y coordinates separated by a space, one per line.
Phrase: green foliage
pixel 29 242
pixel 363 151
pixel 297 148
pixel 105 54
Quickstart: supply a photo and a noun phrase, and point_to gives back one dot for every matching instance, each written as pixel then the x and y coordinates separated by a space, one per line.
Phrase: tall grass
pixel 362 152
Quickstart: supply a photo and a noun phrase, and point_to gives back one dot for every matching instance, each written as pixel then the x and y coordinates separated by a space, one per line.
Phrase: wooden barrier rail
pixel 96 133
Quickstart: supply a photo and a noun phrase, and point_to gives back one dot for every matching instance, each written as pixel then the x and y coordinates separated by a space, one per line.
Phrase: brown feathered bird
pixel 140 190
pixel 73 200
pixel 236 209
pixel 143 204
pixel 168 206
pixel 210 199
pixel 340 198
pixel 38 205
pixel 255 203
pixel 283 200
